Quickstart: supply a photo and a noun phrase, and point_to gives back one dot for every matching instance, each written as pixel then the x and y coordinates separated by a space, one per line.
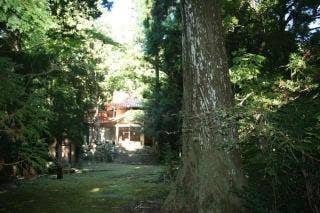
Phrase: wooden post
pixel 117 133
pixel 129 133
pixel 142 139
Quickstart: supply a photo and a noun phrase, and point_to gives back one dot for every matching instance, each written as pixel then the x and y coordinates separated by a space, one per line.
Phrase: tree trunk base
pixel 59 173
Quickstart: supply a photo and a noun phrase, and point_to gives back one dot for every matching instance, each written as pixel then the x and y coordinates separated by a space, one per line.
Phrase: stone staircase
pixel 110 152
pixel 145 155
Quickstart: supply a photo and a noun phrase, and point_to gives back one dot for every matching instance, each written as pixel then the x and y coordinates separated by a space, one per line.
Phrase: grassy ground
pixel 99 188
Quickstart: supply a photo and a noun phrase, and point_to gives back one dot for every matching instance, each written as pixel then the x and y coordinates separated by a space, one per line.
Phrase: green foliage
pixel 162 45
pixel 35 154
pixel 48 70
pixel 296 65
pixel 275 84
pixel 246 67
pixel 100 36
pixel 127 70
pixel 30 16
pixel 23 118
pixel 281 154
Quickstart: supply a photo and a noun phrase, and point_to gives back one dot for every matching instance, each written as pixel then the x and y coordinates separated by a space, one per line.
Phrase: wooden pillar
pixel 117 133
pixel 142 139
pixel 129 133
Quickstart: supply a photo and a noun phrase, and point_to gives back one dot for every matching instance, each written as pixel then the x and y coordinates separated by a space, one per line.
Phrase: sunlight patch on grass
pixel 95 190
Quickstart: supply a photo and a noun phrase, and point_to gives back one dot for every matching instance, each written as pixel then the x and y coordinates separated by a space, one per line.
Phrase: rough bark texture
pixel 211 173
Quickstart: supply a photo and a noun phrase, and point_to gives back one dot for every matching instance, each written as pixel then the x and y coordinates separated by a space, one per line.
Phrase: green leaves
pixel 274 68
pixel 48 75
pixel 100 36
pixel 29 16
pixel 246 67
pixel 296 65
pixel 162 47
pixel 230 23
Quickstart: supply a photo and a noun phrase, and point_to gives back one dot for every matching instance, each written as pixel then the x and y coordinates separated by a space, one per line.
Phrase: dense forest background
pixel 56 65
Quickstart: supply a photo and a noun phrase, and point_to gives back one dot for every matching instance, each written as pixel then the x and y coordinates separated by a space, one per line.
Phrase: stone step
pixel 145 150
pixel 138 158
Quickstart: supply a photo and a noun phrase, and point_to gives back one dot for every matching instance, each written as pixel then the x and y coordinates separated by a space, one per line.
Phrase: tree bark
pixel 157 83
pixel 157 117
pixel 210 174
pixel 59 158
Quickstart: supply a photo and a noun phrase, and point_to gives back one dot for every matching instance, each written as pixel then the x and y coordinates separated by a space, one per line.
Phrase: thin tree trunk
pixel 157 85
pixel 59 158
pixel 211 173
pixel 157 117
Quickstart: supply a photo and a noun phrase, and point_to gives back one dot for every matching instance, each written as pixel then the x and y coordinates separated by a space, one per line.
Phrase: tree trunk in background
pixel 59 158
pixel 157 116
pixel 6 171
pixel 157 83
pixel 211 172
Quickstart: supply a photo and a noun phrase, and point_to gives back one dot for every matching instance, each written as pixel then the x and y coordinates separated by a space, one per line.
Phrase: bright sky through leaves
pixel 121 20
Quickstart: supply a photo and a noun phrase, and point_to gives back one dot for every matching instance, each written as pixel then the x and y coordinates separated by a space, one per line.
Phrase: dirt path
pixel 97 188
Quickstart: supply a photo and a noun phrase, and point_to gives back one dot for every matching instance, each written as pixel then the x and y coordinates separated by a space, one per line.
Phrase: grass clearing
pixel 99 188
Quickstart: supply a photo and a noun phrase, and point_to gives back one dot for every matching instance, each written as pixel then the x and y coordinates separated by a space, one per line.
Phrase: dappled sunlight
pixel 95 190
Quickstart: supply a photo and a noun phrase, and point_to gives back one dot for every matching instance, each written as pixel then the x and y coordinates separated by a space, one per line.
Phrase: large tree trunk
pixel 210 173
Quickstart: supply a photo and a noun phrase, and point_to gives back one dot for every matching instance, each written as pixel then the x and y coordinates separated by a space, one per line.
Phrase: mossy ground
pixel 99 188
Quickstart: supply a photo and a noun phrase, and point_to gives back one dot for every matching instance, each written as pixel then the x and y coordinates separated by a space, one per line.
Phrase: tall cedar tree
pixel 211 172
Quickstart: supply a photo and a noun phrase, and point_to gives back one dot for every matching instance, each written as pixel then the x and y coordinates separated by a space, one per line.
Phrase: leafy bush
pixel 246 67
